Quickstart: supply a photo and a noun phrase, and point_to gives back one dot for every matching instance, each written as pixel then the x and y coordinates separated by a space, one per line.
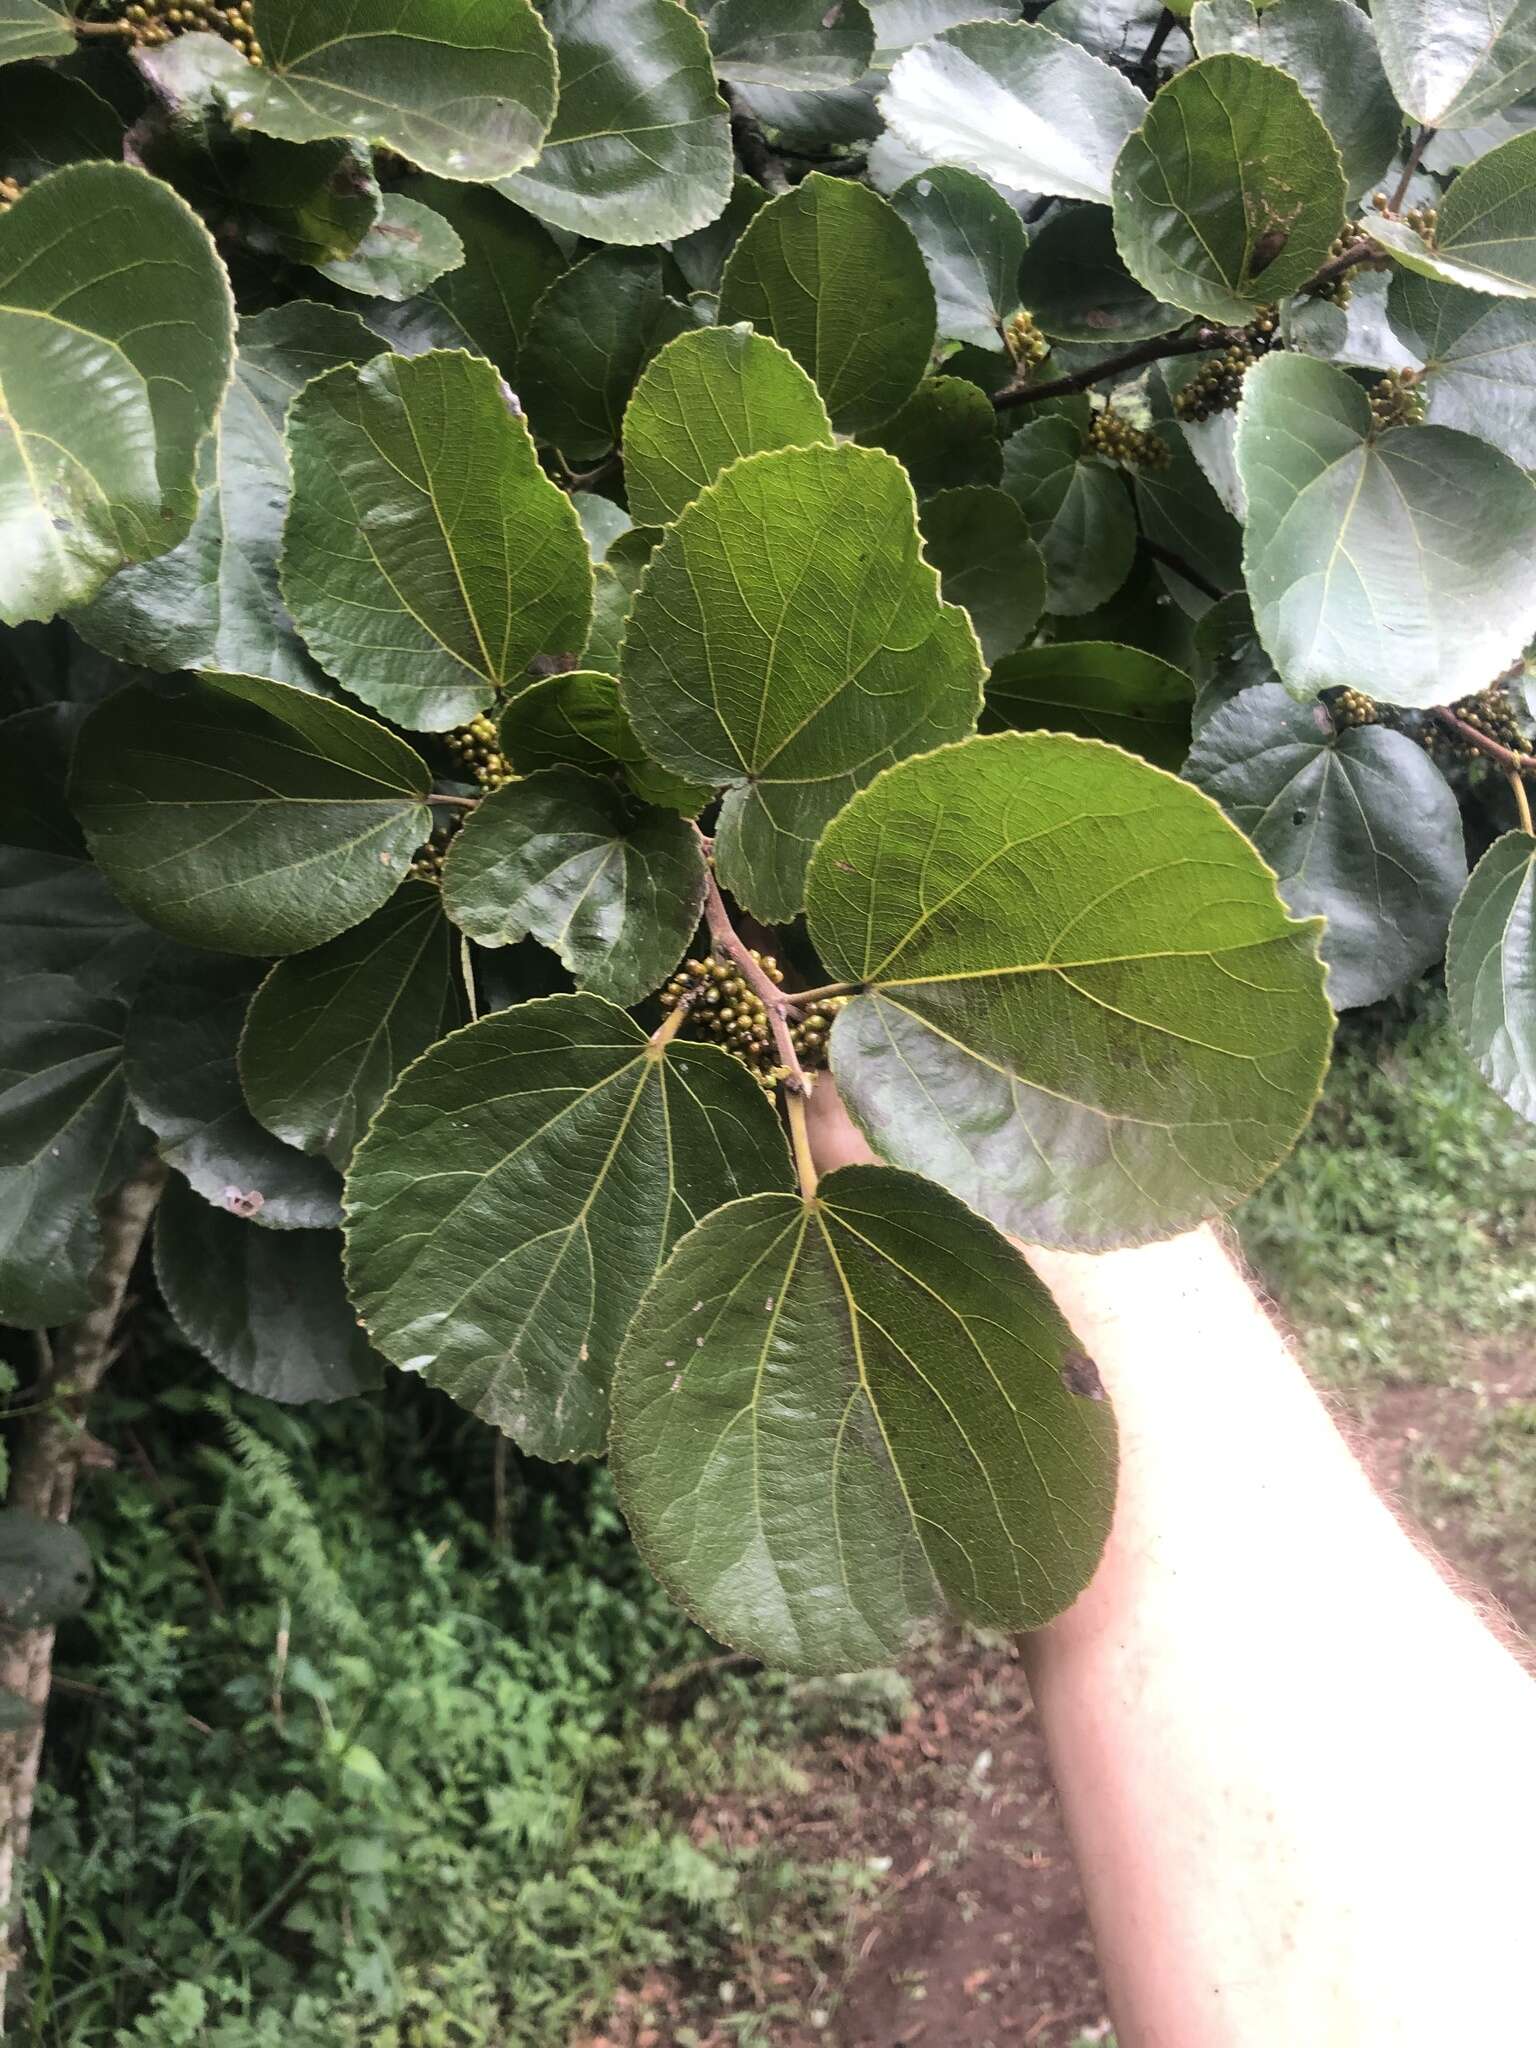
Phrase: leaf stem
pixel 727 940
pixel 1415 155
pixel 460 803
pixel 1167 21
pixel 804 997
pixel 672 1023
pixel 1514 765
pixel 800 1138
pixel 1522 805
pixel 1170 559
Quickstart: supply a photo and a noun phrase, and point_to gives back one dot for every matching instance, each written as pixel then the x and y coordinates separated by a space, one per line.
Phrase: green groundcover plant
pixel 567 567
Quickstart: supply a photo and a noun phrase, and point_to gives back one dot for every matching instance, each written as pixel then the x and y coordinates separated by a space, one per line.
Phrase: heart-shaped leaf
pixel 731 677
pixel 834 1418
pixel 1078 511
pixel 1096 688
pixel 979 541
pixel 578 720
pixel 1453 63
pixel 972 242
pixel 1490 970
pixel 591 335
pixel 1479 358
pixel 569 1154
pixel 1085 1010
pixel 1485 231
pixel 427 557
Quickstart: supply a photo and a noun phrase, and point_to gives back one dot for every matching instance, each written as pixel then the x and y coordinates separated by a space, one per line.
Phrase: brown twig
pixel 757 159
pixel 1415 156
pixel 1512 763
pixel 461 803
pixel 727 940
pixel 1167 21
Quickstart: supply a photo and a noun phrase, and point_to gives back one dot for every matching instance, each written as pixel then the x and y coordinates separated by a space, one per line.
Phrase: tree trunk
pixel 53 1447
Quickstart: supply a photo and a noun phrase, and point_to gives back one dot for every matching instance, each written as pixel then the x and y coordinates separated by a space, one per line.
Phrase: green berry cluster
pixel 1111 435
pixel 1397 400
pixel 1351 708
pixel 1424 220
pixel 427 864
pixel 476 748
pixel 1338 290
pixel 1218 386
pixel 723 1006
pixel 148 23
pixel 1026 344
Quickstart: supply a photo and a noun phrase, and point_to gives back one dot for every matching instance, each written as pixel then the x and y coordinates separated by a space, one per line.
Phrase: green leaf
pixel 49 118
pixel 1360 827
pixel 1455 62
pixel 577 720
pixel 102 409
pixel 901 23
pixel 833 1419
pixel 832 272
pixel 1093 687
pixel 34 28
pixel 1180 507
pixel 701 256
pixel 1018 105
pixel 591 335
pixel 183 1039
pixel 266 1307
pixel 466 90
pixel 1479 357
pixel 45 1570
pixel 407 248
pixel 616 888
pixel 1073 281
pixel 945 436
pixel 1228 657
pixel 212 602
pixel 1329 49
pixel 1396 564
pixel 242 815
pixel 1079 513
pixel 731 677
pixel 640 149
pixel 978 539
pixel 427 558
pixel 602 521
pixel 568 1156
pixel 798 45
pixel 1230 192
pixel 329 1031
pixel 1485 235
pixel 615 584
pixel 972 243
pixel 706 399
pixel 67 1138
pixel 1086 1012
pixel 1490 970
pixel 301 201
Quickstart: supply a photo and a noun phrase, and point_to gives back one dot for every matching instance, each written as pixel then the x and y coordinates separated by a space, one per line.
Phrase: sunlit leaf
pixel 972 243
pixel 1485 233
pixel 1455 62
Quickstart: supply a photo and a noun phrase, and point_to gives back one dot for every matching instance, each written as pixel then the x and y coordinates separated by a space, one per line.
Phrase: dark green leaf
pixel 105 407
pixel 701 256
pixel 183 1036
pixel 731 677
pixel 1485 236
pixel 1016 104
pixel 640 148
pixel 591 335
pixel 798 45
pixel 578 721
pixel 1230 192
pixel 972 243
pixel 1079 513
pixel 266 1307
pixel 832 272
pixel 1095 688
pixel 832 1419
pixel 240 814
pixel 303 202
pixel 67 1138
pixel 568 1156
pixel 329 1031
pixel 1140 614
pixel 1455 62
pixel 49 119
pixel 615 887
pixel 407 248
pixel 34 28
pixel 1073 281
pixel 427 558
pixel 1490 970
pixel 979 541
pixel 945 437
pixel 45 1570
pixel 1479 357
pixel 1228 657
pixel 1181 507
pixel 706 399
pixel 1087 1013
pixel 1397 564
pixel 1360 827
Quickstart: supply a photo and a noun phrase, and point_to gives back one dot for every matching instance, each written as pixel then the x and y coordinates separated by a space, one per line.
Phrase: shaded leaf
pixel 1096 688
pixel 1479 357
pixel 1485 234
pixel 1188 504
pixel 972 243
pixel 568 1156
pixel 45 1570
pixel 731 677
pixel 979 541
pixel 945 436
pixel 701 256
pixel 427 558
pixel 1490 970
pixel 1079 513
pixel 407 248
pixel 591 335
pixel 49 118
pixel 1228 657
pixel 1117 1027
pixel 833 1419
pixel 796 45
pixel 577 720
pixel 614 887
pixel 239 814
pixel 1455 62
pixel 1073 280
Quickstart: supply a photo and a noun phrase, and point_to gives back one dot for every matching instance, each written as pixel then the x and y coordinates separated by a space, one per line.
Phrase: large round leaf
pixel 1360 827
pixel 183 1036
pixel 640 148
pixel 979 541
pixel 731 674
pixel 1485 235
pixel 972 242
pixel 833 273
pixel 266 1307
pixel 240 814
pixel 1479 357
pixel 1397 564
pixel 116 337
pixel 1078 510
pixel 613 886
pixel 1075 284
pixel 1015 103
pixel 591 335
pixel 1490 970
pixel 427 557
pixel 1452 63
pixel 1230 192
pixel 1096 688
pixel 328 1031
pixel 705 400
pixel 462 87
pixel 567 1155
pixel 795 45
pixel 67 1137
pixel 1086 1011
pixel 832 1418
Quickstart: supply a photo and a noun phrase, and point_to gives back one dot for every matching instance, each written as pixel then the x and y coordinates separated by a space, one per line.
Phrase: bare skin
pixel 1298 1769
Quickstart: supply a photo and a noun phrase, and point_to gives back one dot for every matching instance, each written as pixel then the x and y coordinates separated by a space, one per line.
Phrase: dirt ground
pixel 974 1934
